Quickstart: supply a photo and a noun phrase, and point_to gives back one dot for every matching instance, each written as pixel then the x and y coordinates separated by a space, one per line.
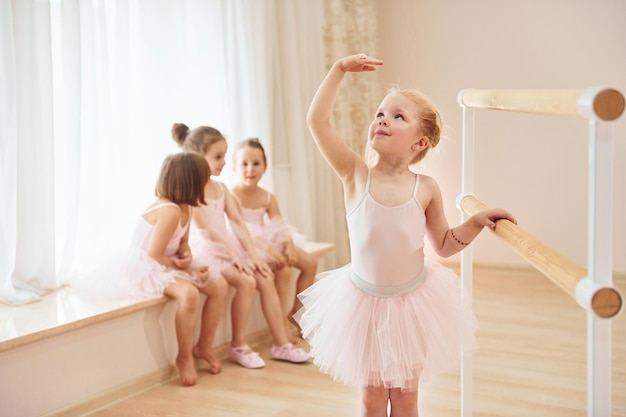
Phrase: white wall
pixel 535 166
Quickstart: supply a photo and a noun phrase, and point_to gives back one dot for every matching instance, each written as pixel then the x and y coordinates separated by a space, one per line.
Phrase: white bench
pixel 62 356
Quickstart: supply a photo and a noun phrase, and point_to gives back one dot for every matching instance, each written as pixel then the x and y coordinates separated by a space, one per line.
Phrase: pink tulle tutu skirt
pixel 391 341
pixel 206 252
pixel 147 278
pixel 230 236
pixel 129 277
pixel 274 233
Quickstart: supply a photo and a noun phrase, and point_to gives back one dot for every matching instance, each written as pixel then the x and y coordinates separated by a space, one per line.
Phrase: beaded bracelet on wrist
pixel 455 238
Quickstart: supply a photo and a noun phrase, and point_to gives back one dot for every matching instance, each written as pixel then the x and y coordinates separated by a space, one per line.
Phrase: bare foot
pixel 187 372
pixel 215 365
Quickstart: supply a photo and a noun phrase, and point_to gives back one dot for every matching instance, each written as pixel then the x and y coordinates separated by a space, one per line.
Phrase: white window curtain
pixel 26 162
pixel 89 91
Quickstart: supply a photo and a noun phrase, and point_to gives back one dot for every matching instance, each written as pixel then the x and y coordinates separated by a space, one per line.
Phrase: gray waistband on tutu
pixel 390 291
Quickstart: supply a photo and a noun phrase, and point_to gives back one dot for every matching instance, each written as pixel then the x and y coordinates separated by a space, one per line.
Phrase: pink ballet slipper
pixel 288 352
pixel 246 357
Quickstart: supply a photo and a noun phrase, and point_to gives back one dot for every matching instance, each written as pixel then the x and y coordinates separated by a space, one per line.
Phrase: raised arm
pixel 340 157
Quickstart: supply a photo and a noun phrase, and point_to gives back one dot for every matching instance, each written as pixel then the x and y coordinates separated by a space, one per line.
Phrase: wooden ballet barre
pixel 605 302
pixel 602 103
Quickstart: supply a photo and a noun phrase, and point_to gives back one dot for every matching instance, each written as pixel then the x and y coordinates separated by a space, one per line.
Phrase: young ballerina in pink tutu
pixel 391 318
pixel 220 205
pixel 161 262
pixel 261 213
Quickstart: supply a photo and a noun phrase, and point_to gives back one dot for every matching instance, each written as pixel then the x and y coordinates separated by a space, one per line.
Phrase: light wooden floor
pixel 531 362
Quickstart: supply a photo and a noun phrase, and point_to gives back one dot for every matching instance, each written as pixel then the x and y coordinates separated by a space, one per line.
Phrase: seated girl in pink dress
pixel 160 262
pixel 278 239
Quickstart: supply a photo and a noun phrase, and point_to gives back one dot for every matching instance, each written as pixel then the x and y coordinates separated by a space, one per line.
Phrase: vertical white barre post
pixel 600 259
pixel 467 187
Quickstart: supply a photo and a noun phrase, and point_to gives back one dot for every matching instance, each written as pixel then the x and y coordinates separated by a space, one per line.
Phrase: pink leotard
pixel 387 244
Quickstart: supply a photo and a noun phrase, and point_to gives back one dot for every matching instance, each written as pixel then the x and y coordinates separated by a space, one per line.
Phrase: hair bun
pixel 179 133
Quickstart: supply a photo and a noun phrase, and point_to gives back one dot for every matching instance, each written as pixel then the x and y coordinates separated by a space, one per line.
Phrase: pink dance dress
pixel 391 317
pixel 208 251
pixel 274 232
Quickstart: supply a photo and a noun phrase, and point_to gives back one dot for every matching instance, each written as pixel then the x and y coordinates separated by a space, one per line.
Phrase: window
pixel 93 88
